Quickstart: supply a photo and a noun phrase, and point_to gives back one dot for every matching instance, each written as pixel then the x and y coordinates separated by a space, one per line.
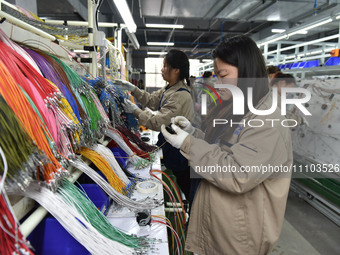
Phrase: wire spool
pixel 147 187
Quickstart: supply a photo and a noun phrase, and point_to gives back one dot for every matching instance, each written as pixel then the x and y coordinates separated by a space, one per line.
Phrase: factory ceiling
pixel 206 22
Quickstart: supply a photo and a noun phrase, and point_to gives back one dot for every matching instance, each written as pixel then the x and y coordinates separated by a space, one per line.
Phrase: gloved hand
pixel 177 139
pixel 129 107
pixel 183 123
pixel 124 84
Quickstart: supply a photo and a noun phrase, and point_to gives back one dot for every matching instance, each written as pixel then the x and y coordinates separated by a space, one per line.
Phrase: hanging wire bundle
pixel 31 122
pixel 179 219
pixel 19 150
pixel 119 198
pixel 114 135
pixel 53 108
pixel 86 98
pixel 50 70
pixel 73 196
pixel 48 28
pixel 105 168
pixel 107 154
pixel 68 215
pixel 111 97
pixel 11 240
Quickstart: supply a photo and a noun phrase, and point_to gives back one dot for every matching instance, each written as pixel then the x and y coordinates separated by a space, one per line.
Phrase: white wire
pixel 72 220
pixel 4 160
pixel 115 195
pixel 121 143
pixel 110 158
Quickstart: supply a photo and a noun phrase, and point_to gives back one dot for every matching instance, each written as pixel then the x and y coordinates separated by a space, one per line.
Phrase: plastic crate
pixel 50 238
pixel 310 64
pixel 295 66
pixel 333 61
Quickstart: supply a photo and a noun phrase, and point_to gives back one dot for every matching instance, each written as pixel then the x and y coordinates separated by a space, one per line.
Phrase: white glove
pixel 177 139
pixel 129 107
pixel 183 123
pixel 124 84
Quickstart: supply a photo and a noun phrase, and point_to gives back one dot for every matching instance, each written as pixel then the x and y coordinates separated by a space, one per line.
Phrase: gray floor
pixel 306 231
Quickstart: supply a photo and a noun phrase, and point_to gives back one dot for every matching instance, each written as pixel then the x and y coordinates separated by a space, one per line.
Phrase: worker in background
pixel 283 80
pixel 172 100
pixel 207 75
pixel 237 211
pixel 271 71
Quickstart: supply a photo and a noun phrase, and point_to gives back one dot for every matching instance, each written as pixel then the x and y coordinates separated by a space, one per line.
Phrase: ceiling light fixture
pixel 157 53
pixel 273 40
pixel 160 43
pixel 317 24
pixel 278 31
pixel 164 25
pixel 126 15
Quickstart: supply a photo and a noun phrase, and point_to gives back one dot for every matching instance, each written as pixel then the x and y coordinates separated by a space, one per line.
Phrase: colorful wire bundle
pixel 115 195
pixel 74 221
pixel 82 92
pixel 135 139
pixel 78 199
pixel 11 239
pixel 114 135
pixel 105 168
pixel 110 158
pixel 18 147
pixel 31 122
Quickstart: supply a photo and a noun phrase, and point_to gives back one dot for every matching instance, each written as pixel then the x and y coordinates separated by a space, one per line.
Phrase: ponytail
pixel 178 59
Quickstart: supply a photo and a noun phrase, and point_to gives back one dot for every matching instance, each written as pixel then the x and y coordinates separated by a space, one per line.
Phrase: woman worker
pixel 170 101
pixel 240 210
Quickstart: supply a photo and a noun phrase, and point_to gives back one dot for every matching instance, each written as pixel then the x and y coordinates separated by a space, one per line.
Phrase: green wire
pixel 15 142
pixel 81 89
pixel 96 218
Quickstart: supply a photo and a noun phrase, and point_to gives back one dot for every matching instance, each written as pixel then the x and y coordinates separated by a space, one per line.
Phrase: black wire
pixel 97 12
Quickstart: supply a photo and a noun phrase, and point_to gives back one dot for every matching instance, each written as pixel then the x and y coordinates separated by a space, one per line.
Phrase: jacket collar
pixel 176 86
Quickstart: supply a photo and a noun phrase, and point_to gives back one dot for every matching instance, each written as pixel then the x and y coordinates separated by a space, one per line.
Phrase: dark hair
pixel 207 74
pixel 272 69
pixel 243 53
pixel 288 78
pixel 178 59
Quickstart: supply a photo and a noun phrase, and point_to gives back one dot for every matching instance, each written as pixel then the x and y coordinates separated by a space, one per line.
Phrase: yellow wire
pixel 105 168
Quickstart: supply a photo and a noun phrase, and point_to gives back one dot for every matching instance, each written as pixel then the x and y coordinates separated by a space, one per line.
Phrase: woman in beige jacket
pixel 172 100
pixel 245 167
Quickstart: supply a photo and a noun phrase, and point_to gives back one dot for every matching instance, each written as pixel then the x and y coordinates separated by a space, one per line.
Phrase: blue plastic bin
pixel 50 238
pixel 295 66
pixel 120 155
pixel 312 63
pixel 333 61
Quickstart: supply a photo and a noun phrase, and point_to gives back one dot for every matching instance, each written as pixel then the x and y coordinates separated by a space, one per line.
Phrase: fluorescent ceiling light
pixel 273 40
pixel 338 17
pixel 126 15
pixel 207 60
pixel 278 31
pixel 302 32
pixel 157 53
pixel 311 27
pixel 160 43
pixel 165 25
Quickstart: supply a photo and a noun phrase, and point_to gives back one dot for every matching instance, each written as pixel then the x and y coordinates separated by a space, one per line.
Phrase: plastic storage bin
pixel 120 155
pixel 333 61
pixel 50 238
